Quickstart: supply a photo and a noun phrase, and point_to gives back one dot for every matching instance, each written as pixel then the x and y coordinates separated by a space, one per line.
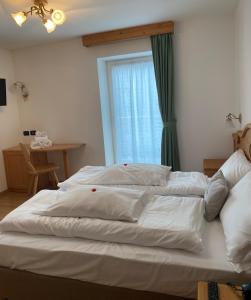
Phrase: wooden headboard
pixel 242 140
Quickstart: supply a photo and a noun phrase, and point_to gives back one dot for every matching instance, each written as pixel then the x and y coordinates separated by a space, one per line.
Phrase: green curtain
pixel 162 49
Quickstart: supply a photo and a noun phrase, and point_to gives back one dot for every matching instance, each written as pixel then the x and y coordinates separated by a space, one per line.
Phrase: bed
pixel 48 267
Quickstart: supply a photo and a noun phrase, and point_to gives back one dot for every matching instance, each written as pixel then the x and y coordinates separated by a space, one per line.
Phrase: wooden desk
pixel 225 292
pixel 17 178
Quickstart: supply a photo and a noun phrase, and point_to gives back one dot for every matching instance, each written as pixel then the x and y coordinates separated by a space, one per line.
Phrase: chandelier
pixel 49 17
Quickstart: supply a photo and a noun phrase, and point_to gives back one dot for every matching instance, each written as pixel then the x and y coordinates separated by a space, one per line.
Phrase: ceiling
pixel 89 16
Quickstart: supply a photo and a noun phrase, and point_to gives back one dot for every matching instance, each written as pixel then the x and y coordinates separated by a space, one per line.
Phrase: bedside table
pixel 225 292
pixel 211 166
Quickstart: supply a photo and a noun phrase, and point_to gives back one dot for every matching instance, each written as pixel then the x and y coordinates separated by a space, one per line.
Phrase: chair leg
pixel 35 185
pixel 30 184
pixel 55 178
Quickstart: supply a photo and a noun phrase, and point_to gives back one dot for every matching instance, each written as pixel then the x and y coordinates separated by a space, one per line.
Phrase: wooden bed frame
pixel 22 285
pixel 242 140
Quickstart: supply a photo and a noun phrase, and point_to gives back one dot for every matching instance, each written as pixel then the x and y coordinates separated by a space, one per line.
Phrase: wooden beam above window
pixel 136 32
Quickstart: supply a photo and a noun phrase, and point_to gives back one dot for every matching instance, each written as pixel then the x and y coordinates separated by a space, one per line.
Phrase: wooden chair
pixel 35 171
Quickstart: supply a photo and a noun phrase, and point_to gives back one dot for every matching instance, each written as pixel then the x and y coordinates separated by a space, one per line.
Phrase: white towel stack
pixel 41 140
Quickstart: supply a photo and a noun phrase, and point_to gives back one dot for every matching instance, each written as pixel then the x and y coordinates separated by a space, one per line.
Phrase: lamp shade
pixel 50 26
pixel 58 17
pixel 19 18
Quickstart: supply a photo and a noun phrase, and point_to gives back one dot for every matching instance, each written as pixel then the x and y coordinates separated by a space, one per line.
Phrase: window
pixel 132 124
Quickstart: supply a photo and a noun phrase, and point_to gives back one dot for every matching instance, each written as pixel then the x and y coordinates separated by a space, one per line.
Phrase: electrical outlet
pixel 26 133
pixel 33 132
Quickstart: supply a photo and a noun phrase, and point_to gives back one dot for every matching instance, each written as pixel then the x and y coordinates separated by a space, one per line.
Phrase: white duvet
pixel 167 222
pixel 127 174
pixel 178 183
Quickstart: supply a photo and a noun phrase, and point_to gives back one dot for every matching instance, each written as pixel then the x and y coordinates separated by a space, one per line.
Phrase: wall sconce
pixel 231 117
pixel 21 86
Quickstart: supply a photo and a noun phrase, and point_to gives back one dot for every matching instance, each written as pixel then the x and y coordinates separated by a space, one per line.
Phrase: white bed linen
pixel 178 183
pixel 139 174
pixel 173 272
pixel 236 221
pixel 101 202
pixel 167 222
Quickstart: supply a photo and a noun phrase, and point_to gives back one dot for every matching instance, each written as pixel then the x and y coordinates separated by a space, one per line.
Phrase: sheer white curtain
pixel 136 119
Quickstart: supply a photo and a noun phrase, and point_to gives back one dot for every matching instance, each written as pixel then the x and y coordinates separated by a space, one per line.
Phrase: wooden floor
pixel 10 201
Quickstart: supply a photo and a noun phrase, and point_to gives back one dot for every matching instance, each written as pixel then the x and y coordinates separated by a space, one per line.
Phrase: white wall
pixel 64 94
pixel 243 58
pixel 9 116
pixel 205 89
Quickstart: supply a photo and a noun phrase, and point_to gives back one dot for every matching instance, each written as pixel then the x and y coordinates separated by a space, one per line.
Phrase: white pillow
pixel 130 174
pixel 98 202
pixel 235 168
pixel 236 220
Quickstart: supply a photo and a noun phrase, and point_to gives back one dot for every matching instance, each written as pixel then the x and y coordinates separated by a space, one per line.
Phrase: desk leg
pixel 66 164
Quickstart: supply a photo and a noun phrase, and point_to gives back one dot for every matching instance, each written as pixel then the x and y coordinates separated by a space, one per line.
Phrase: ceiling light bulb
pixel 49 25
pixel 58 17
pixel 19 17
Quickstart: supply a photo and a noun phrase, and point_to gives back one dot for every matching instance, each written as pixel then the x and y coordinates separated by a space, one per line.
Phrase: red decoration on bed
pixel 94 190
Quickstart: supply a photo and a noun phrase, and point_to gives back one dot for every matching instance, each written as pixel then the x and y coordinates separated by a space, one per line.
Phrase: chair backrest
pixel 27 158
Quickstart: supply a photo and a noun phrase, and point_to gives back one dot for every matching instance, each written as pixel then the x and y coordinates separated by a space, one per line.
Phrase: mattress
pixel 173 272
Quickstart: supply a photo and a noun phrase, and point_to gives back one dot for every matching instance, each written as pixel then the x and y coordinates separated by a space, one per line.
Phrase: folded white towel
pixel 41 140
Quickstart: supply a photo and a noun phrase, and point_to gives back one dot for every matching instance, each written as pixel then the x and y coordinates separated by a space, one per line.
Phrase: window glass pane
pixel 136 120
